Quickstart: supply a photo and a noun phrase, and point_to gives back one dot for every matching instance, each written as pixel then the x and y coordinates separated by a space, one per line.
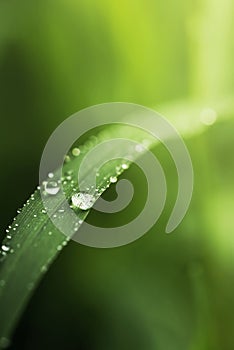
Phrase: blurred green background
pixel 57 57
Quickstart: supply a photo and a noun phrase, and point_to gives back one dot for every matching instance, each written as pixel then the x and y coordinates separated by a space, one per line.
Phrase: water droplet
pixel 5 248
pixel 139 148
pixel 208 116
pixel 4 343
pixel 43 211
pixel 2 283
pixel 50 175
pixel 49 233
pixel 43 269
pixel 35 215
pixel 80 222
pixel 76 152
pixel 83 200
pixel 125 166
pixel 52 187
pixel 61 210
pixel 59 247
pixel 113 179
pixel 67 159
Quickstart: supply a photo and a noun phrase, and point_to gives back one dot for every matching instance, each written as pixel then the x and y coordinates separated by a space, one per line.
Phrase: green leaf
pixel 32 241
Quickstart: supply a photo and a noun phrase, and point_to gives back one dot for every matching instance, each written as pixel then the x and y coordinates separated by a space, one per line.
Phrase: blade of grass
pixel 32 241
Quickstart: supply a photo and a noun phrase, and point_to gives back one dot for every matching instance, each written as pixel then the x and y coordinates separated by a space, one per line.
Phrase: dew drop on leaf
pixel 113 179
pixel 139 148
pixel 125 166
pixel 83 200
pixel 51 187
pixel 76 152
pixel 5 248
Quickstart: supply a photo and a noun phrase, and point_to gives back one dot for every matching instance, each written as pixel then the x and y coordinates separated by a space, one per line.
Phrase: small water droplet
pixel 35 215
pixel 208 116
pixel 139 148
pixel 2 283
pixel 5 248
pixel 43 211
pixel 43 268
pixel 50 175
pixel 59 247
pixel 113 179
pixel 52 187
pixel 4 343
pixel 67 159
pixel 49 233
pixel 76 152
pixel 125 166
pixel 83 200
pixel 80 222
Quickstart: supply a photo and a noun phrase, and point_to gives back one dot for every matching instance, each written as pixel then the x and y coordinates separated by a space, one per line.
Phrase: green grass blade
pixel 32 242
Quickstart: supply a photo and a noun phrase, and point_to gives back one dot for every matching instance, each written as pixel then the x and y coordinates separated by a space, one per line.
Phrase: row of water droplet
pixel 78 200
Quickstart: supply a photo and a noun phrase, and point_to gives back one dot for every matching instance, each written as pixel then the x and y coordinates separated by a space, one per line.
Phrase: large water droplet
pixel 51 187
pixel 83 200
